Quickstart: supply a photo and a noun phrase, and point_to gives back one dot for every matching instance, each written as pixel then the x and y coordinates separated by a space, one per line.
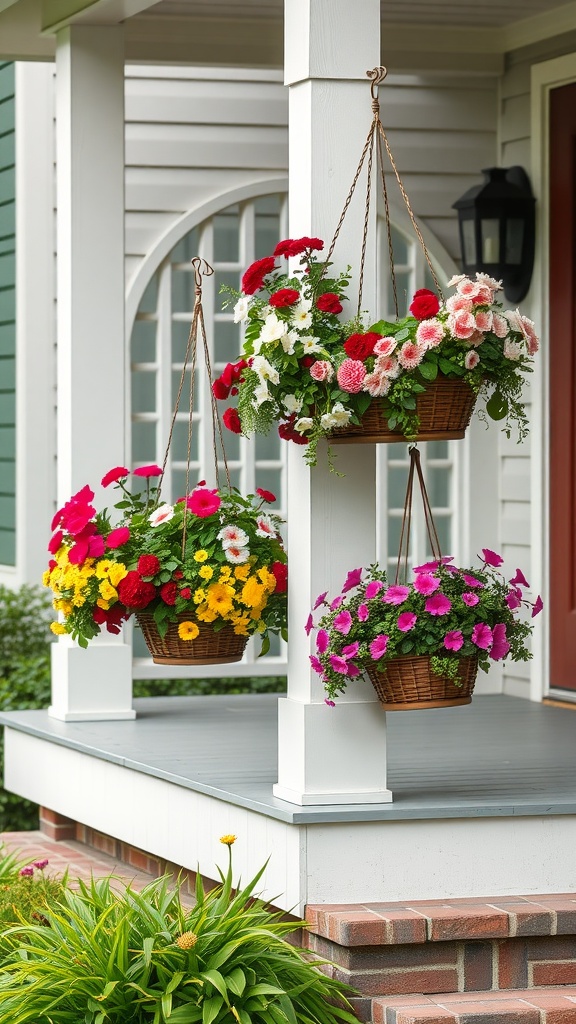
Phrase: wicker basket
pixel 444 410
pixel 409 684
pixel 209 647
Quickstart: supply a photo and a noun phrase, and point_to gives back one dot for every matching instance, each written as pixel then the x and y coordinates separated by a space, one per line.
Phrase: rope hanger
pixel 404 545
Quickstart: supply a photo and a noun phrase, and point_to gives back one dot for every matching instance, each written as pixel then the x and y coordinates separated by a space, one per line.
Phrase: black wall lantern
pixel 497 229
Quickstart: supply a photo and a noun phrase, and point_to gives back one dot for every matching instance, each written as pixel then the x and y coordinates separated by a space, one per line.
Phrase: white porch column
pixel 330 755
pixel 95 683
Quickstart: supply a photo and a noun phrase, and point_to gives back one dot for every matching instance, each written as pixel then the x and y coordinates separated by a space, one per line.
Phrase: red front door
pixel 562 452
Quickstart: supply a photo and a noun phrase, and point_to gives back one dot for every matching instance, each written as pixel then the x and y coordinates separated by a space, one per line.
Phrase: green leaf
pixel 497 406
pixel 446 366
pixel 236 981
pixel 403 334
pixel 148 946
pixel 211 1008
pixel 428 370
pixel 265 646
pixel 216 979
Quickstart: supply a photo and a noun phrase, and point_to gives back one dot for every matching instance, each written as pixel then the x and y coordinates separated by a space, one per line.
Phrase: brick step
pixel 517 1006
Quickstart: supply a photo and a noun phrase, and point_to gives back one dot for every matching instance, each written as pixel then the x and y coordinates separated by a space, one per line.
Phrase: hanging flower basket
pixel 206 647
pixel 409 683
pixel 444 411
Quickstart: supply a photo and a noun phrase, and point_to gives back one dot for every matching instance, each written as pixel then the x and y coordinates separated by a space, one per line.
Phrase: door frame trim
pixel 547 75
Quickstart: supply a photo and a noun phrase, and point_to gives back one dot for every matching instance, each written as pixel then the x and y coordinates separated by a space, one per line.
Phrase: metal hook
pixel 201 269
pixel 376 76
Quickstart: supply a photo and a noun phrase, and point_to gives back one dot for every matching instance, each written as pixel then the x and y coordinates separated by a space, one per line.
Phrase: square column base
pixel 91 685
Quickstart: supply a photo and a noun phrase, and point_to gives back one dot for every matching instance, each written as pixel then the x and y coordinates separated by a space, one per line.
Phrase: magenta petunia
pixel 114 475
pixel 26 872
pixel 322 641
pixel 406 621
pixel 316 664
pixel 491 558
pixel 352 580
pixel 537 606
pixel 438 604
pixel 336 603
pixel 373 588
pixel 430 566
pixel 396 594
pixel 470 599
pixel 55 542
pixel 148 471
pixel 351 650
pixel 471 581
pixel 319 600
pixel 330 703
pixel 203 502
pixel 378 646
pixel 500 645
pixel 519 579
pixel 453 640
pixel 339 665
pixel 425 583
pixel 514 598
pixel 482 636
pixel 309 625
pixel 116 538
pixel 343 622
pixel 353 669
pixel 363 612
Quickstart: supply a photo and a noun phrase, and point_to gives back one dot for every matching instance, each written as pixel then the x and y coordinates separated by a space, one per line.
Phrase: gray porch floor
pixel 498 756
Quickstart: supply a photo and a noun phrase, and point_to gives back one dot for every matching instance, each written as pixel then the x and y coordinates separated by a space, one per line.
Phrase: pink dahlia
pixel 483 296
pixel 406 621
pixel 454 640
pixel 203 502
pixel 350 376
pixel 462 325
pixel 322 370
pixel 499 325
pixel 385 346
pixel 425 583
pixel 429 333
pixel 410 355
pixel 396 594
pixel 466 287
pixel 483 320
pixel 378 646
pixel 343 622
pixel 482 636
pixel 471 359
pixel 376 384
pixel 527 327
pixel 459 304
pixel 438 604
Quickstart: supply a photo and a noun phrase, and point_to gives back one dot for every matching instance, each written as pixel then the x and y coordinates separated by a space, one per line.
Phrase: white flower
pixel 160 515
pixel 288 341
pixel 236 554
pixel 513 318
pixel 265 527
pixel 261 394
pixel 291 403
pixel 328 421
pixel 311 345
pixel 265 370
pixel 273 329
pixel 241 309
pixel 233 536
pixel 301 314
pixel 456 280
pixel 489 282
pixel 341 415
pixel 304 424
pixel 512 349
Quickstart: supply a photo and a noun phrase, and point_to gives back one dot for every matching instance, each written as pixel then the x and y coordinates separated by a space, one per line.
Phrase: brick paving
pixel 81 861
pixel 544 1006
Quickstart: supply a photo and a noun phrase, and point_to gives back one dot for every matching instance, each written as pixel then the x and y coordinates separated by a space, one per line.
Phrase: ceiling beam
pixel 57 14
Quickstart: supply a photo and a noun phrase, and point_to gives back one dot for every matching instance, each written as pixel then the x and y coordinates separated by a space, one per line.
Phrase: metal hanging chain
pixel 404 545
pixel 374 140
pixel 201 269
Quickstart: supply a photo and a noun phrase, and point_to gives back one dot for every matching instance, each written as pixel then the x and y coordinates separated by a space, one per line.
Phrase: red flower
pixel 284 297
pixel 287 433
pixel 360 346
pixel 134 592
pixel 254 277
pixel 55 542
pixel 231 420
pixel 79 500
pixel 280 571
pixel 186 593
pixel 169 592
pixel 425 304
pixel 147 471
pixel 203 502
pixel 113 475
pixel 118 537
pixel 87 543
pixel 148 565
pixel 307 361
pixel 329 302
pixel 113 617
pixel 295 246
pixel 177 574
pixel 266 495
pixel 219 389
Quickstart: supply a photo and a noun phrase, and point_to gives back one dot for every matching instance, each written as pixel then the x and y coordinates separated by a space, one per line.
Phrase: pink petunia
pixel 363 612
pixel 470 599
pixel 147 471
pixel 353 669
pixel 330 703
pixel 203 502
pixel 482 636
pixel 319 600
pixel 500 645
pixel 352 580
pixel 343 622
pixel 116 538
pixel 339 665
pixel 519 580
pixel 373 588
pixel 351 650
pixel 471 581
pixel 453 640
pixel 406 621
pixel 537 606
pixel 322 641
pixel 316 664
pixel 430 566
pixel 426 584
pixel 378 646
pixel 396 594
pixel 309 625
pixel 336 603
pixel 114 475
pixel 514 598
pixel 438 604
pixel 491 558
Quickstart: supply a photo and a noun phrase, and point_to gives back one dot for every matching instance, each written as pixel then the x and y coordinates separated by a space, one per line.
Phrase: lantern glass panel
pixel 469 242
pixel 514 240
pixel 490 232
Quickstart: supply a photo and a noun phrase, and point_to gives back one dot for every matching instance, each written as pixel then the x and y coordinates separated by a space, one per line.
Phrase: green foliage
pixel 143 958
pixel 208 687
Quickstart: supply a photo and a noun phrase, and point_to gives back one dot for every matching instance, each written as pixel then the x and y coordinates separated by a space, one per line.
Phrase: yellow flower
pixel 241 625
pixel 228 840
pixel 268 579
pixel 58 628
pixel 252 593
pixel 117 572
pixel 199 596
pixel 220 598
pixel 187 940
pixel 200 556
pixel 188 630
pixel 206 572
pixel 103 604
pixel 242 572
pixel 206 614
pixel 46 577
pixel 62 606
pixel 256 613
pixel 225 572
pixel 107 591
pixel 103 568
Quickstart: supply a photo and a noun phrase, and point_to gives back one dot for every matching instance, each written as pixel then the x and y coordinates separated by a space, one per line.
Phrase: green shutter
pixel 7 318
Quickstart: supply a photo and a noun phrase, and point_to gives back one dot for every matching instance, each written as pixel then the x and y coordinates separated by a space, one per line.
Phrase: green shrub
pixel 144 958
pixel 208 687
